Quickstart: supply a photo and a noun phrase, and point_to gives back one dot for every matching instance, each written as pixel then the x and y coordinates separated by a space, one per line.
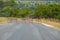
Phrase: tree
pixel 5 12
pixel 39 11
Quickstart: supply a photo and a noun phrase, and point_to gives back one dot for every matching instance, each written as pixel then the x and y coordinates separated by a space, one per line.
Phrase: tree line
pixel 11 9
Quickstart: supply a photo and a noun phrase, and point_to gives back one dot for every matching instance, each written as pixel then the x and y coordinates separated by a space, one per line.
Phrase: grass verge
pixel 56 25
pixel 52 23
pixel 3 20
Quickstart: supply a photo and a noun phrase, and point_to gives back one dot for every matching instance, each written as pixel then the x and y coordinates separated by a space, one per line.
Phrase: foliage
pixel 10 9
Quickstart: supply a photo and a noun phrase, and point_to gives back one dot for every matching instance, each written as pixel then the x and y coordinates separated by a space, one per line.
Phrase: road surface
pixel 27 31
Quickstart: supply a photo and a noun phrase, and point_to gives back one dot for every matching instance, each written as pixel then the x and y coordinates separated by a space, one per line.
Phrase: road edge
pixel 51 26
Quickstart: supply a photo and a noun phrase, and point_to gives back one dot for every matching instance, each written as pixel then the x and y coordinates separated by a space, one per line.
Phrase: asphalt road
pixel 28 31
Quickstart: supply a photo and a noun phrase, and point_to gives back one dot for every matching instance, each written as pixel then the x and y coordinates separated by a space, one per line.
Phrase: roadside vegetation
pixel 53 23
pixel 3 20
pixel 10 8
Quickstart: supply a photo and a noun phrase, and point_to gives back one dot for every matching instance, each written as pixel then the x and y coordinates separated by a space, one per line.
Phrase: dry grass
pixel 56 25
pixel 49 22
pixel 3 20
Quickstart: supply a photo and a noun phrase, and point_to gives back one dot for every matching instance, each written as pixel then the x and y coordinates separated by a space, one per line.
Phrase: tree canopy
pixel 10 9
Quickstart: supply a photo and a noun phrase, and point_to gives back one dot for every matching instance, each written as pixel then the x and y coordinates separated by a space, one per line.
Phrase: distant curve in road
pixel 21 30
